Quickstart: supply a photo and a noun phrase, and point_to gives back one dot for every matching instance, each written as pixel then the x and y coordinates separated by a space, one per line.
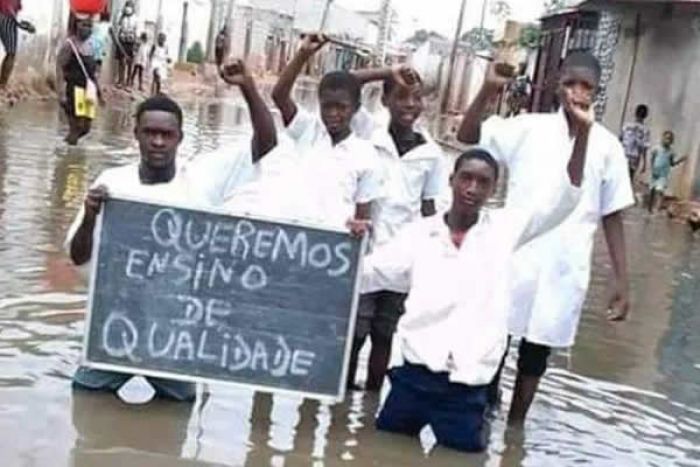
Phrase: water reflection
pixel 624 395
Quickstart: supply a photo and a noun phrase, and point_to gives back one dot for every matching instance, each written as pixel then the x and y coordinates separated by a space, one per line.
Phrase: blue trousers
pixel 419 397
pixel 98 380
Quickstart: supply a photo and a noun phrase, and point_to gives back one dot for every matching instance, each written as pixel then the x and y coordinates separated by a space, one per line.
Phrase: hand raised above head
pixel 313 42
pixel 236 73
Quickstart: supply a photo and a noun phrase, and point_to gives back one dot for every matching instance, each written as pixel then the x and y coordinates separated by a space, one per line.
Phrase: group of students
pixel 442 291
pixel 636 140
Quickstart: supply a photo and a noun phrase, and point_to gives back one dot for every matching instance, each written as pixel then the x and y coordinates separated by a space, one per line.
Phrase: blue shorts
pixel 98 380
pixel 455 412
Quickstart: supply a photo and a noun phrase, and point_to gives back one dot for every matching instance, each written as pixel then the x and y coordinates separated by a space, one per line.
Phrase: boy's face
pixel 472 184
pixel 667 139
pixel 159 136
pixel 578 87
pixel 405 105
pixel 337 109
pixel 161 40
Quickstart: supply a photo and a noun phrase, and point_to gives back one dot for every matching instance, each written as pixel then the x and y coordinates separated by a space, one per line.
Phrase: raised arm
pixel 560 202
pixel 470 129
pixel 264 132
pixel 282 91
pixel 403 74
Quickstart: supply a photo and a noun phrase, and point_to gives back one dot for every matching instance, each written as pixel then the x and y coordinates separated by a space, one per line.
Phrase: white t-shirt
pixel 407 181
pixel 457 305
pixel 552 273
pixel 334 178
pixel 199 183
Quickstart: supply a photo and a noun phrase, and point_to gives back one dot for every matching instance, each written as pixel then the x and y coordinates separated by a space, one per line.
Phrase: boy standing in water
pixel 636 139
pixel 455 268
pixel 663 159
pixel 338 169
pixel 413 175
pixel 158 177
pixel 552 273
pixel 160 62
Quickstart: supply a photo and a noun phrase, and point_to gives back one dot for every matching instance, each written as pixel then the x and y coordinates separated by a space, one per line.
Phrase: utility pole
pixel 384 28
pixel 182 53
pixel 213 29
pixel 160 21
pixel 324 18
pixel 453 58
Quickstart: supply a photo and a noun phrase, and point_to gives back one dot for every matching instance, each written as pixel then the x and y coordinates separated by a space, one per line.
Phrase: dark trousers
pixel 532 361
pixel 420 397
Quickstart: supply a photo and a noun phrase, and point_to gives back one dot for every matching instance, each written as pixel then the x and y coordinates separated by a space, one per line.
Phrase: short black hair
pixel 671 133
pixel 642 111
pixel 390 84
pixel 579 59
pixel 342 80
pixel 479 154
pixel 160 103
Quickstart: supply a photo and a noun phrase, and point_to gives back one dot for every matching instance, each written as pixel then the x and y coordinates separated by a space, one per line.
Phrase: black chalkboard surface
pixel 201 296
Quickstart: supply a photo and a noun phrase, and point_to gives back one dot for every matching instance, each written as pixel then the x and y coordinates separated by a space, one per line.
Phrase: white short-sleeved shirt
pixel 407 180
pixel 457 305
pixel 335 178
pixel 201 182
pixel 552 273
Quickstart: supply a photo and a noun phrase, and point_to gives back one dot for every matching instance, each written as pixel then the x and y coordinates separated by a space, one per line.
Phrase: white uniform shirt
pixel 201 182
pixel 407 181
pixel 334 177
pixel 552 273
pixel 457 306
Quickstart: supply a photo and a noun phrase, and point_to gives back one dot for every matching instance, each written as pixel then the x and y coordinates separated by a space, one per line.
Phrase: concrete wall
pixel 665 75
pixel 262 37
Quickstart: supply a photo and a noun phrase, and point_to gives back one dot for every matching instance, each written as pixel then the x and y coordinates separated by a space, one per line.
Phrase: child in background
pixel 160 59
pixel 635 139
pixel 663 159
pixel 140 61
pixel 99 40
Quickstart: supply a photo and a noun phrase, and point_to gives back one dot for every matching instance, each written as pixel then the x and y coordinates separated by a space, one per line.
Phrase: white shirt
pixel 457 306
pixel 553 272
pixel 200 183
pixel 335 178
pixel 419 175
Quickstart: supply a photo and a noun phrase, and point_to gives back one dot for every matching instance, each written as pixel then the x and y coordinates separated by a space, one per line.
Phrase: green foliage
pixel 478 38
pixel 530 37
pixel 196 53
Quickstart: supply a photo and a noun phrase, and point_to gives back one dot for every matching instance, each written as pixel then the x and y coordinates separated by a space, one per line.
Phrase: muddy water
pixel 624 395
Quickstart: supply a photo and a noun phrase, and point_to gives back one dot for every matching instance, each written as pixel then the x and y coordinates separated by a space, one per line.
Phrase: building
pixel 653 49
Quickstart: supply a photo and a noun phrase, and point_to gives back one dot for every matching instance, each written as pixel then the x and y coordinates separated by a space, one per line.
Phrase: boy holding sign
pixel 455 269
pixel 159 178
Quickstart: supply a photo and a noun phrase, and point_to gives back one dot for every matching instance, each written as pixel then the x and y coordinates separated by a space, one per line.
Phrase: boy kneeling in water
pixel 455 269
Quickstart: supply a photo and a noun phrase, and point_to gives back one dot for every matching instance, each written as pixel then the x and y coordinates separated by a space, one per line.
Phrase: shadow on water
pixel 626 394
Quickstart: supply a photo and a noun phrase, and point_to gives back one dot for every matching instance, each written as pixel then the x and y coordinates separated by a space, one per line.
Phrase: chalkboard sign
pixel 202 296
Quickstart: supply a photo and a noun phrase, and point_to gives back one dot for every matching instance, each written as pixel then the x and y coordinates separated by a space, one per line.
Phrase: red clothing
pixel 10 7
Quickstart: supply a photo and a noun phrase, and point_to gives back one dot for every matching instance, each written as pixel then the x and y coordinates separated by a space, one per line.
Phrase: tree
pixel 552 6
pixel 196 53
pixel 501 9
pixel 530 37
pixel 478 38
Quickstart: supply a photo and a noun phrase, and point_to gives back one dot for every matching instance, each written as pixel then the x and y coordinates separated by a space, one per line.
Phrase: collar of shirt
pixel 384 142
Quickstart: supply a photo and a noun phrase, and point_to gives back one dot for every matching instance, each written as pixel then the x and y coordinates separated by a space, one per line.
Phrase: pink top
pixel 10 7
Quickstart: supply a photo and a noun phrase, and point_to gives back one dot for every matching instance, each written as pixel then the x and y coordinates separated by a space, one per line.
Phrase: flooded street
pixel 625 395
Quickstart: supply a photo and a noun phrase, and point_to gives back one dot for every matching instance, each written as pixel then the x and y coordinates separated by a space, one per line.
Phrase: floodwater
pixel 625 395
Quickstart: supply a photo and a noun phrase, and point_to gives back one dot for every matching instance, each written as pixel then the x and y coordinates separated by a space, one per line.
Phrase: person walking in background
pixel 125 41
pixel 636 139
pixel 99 40
pixel 160 62
pixel 140 61
pixel 222 45
pixel 78 89
pixel 663 159
pixel 9 31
